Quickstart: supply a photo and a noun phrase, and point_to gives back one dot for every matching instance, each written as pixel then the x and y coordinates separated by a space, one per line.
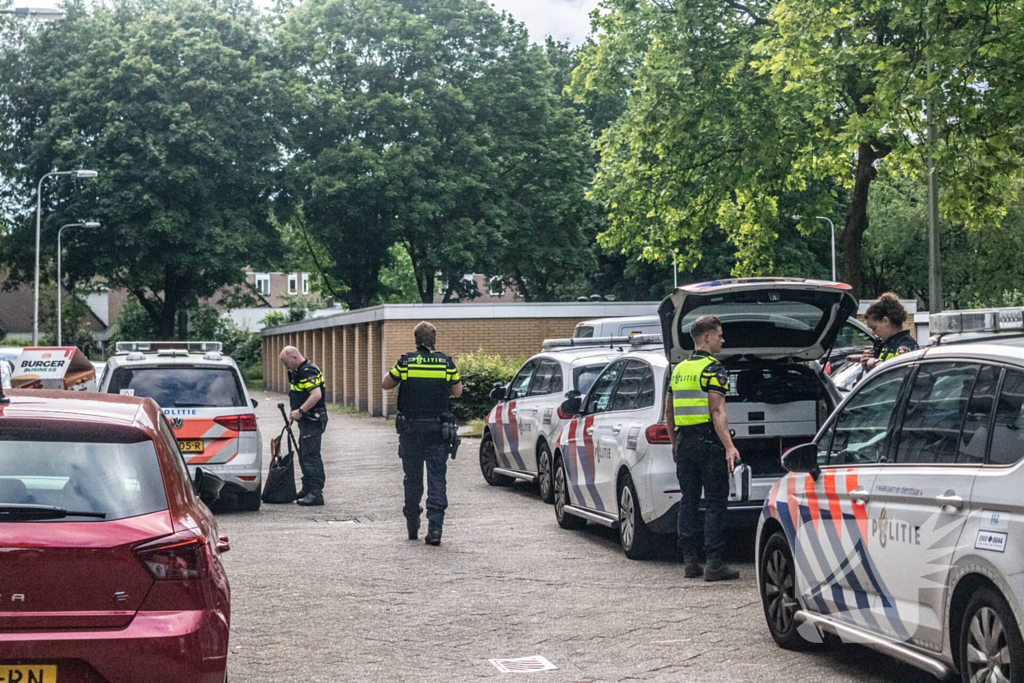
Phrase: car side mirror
pixel 254 402
pixel 571 405
pixel 498 392
pixel 207 485
pixel 802 458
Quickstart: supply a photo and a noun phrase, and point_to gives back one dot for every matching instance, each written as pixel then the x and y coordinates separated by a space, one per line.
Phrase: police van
pixel 617 327
pixel 900 525
pixel 207 406
pixel 522 428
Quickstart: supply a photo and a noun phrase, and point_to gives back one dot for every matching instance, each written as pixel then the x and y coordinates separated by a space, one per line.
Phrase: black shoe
pixel 303 492
pixel 413 525
pixel 314 497
pixel 719 571
pixel 433 537
pixel 693 569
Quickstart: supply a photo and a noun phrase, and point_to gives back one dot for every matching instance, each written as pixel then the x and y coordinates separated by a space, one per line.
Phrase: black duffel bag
pixel 280 484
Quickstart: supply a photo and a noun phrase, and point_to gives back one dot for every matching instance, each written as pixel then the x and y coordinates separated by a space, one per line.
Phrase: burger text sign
pixel 53 367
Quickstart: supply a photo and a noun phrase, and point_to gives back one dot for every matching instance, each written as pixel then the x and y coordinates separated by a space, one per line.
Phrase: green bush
pixel 479 371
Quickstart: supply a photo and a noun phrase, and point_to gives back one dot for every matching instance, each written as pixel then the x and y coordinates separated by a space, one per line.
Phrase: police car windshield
pixel 584 377
pixel 181 387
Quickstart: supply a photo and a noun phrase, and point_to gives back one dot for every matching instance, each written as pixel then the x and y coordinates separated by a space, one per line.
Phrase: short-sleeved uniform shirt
pixel 715 378
pixel 302 381
pixel 424 377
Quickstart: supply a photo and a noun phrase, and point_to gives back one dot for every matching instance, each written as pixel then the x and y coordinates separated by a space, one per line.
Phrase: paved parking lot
pixel 338 594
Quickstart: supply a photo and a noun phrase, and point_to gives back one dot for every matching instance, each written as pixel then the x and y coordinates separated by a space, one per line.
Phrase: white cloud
pixel 562 19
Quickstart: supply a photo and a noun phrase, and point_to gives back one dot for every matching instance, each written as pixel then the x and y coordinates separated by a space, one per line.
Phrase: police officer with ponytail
pixel 703 450
pixel 886 317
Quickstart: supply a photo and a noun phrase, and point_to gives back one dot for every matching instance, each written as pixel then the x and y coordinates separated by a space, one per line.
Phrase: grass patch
pixel 340 409
pixel 473 428
pixel 254 385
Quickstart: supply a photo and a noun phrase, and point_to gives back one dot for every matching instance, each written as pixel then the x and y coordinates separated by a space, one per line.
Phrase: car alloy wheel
pixel 489 460
pixel 560 492
pixel 564 519
pixel 626 529
pixel 988 651
pixel 779 591
pixel 544 473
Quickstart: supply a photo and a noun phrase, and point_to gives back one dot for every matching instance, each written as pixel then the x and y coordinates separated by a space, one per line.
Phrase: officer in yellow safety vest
pixel 702 448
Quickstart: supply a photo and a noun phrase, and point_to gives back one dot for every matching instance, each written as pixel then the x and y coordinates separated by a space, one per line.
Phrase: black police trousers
pixel 310 461
pixel 421 444
pixel 701 465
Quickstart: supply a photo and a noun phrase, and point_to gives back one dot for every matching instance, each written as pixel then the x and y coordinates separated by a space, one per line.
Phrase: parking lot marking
pixel 523 665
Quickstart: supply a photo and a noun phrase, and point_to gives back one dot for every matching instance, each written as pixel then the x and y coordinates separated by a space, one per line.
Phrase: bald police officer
pixel 426 379
pixel 309 410
pixel 703 450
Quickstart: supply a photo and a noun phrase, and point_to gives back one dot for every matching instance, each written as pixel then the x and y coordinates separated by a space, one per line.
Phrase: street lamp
pixel 37 13
pixel 87 224
pixel 81 173
pixel 825 218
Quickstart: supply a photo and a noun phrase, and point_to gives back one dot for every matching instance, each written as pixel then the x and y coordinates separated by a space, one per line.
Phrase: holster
pixel 450 434
pixel 401 423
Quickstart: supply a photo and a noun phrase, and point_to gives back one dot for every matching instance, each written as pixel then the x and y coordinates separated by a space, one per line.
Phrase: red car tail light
pixel 563 416
pixel 657 434
pixel 237 423
pixel 178 557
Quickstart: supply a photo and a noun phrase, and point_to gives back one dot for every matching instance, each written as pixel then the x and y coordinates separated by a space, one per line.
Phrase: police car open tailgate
pixel 763 318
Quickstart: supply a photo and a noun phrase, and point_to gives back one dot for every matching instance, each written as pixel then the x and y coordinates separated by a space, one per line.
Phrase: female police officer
pixel 885 317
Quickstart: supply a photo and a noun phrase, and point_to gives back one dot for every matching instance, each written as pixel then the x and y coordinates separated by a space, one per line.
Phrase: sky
pixel 565 20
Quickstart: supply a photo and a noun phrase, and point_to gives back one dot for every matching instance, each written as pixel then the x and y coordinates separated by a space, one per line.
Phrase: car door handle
pixel 951 499
pixel 859 495
pixel 590 430
pixel 616 429
pixel 514 411
pixel 223 545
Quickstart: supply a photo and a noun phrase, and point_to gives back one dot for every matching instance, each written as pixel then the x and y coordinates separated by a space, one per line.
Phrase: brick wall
pixel 355 356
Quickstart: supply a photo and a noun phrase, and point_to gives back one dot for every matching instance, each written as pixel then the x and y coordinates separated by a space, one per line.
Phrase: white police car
pixel 901 525
pixel 521 429
pixel 207 406
pixel 614 462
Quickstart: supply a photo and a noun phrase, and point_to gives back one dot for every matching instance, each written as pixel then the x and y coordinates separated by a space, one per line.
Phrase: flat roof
pixel 574 309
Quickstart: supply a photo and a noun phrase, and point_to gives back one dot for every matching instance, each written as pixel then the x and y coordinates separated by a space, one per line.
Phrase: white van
pixel 618 327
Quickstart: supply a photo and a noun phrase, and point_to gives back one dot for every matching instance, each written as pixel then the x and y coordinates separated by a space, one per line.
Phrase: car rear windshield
pixel 181 386
pixel 584 377
pixel 761 324
pixel 116 479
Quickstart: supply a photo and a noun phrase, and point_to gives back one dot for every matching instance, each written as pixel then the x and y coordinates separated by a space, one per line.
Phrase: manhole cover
pixel 523 665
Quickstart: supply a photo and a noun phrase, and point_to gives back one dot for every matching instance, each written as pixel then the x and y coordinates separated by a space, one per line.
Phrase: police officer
pixel 703 450
pixel 885 317
pixel 309 410
pixel 426 378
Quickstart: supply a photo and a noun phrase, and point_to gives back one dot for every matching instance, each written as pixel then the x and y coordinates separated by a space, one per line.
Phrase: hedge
pixel 479 371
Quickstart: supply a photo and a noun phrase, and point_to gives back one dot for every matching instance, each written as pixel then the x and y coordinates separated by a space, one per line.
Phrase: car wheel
pixel 778 592
pixel 249 500
pixel 990 642
pixel 637 540
pixel 544 478
pixel 489 460
pixel 561 484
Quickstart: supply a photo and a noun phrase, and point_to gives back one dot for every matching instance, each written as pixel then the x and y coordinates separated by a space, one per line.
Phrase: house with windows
pixel 275 288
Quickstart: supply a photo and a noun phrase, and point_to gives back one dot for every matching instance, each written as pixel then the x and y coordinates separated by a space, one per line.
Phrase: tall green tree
pixel 433 124
pixel 172 102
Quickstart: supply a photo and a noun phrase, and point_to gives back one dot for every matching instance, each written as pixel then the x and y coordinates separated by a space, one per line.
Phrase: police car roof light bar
pixel 976 320
pixel 156 346
pixel 582 342
pixel 638 340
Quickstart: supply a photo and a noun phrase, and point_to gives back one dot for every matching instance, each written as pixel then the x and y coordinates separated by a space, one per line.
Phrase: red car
pixel 110 564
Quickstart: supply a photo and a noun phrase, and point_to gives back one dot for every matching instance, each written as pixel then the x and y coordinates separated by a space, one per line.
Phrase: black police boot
pixel 693 568
pixel 413 525
pixel 314 497
pixel 719 571
pixel 433 537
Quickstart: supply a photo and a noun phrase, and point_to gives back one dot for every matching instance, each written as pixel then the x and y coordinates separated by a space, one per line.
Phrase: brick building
pixel 355 348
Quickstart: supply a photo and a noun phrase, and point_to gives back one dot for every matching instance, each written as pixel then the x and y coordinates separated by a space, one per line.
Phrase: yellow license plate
pixel 189 446
pixel 26 673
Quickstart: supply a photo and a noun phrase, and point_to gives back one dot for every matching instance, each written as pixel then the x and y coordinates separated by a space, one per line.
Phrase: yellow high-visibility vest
pixel 689 401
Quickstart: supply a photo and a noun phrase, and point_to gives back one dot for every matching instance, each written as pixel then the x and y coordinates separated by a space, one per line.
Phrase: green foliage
pixel 398 279
pixel 173 103
pixel 274 318
pixel 479 371
pixel 132 324
pixel 246 348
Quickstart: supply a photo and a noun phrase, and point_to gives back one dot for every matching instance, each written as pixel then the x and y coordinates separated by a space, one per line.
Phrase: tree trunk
pixel 857 219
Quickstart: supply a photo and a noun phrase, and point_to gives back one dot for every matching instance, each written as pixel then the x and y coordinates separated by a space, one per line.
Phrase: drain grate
pixel 523 665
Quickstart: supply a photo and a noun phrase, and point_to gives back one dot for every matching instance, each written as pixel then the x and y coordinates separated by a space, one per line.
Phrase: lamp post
pixel 60 310
pixel 833 226
pixel 37 13
pixel 81 173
